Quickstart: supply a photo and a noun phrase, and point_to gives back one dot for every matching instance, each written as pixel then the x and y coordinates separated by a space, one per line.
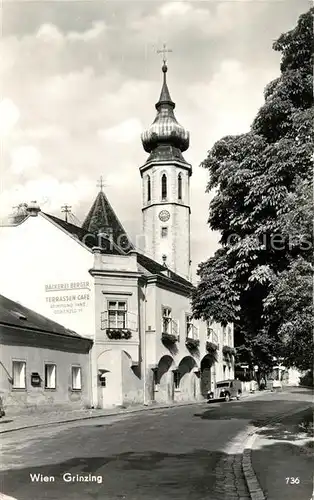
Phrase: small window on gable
pixel 164 187
pixel 149 189
pixel 180 186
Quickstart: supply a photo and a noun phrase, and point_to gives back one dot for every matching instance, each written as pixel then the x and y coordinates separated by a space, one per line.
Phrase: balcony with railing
pixel 119 325
pixel 170 330
pixel 192 336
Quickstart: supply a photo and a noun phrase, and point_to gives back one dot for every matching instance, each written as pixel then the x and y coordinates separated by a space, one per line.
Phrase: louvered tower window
pixel 149 193
pixel 164 187
pixel 180 186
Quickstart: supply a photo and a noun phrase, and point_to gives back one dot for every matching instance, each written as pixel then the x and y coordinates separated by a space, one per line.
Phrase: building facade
pixel 135 307
pixel 42 363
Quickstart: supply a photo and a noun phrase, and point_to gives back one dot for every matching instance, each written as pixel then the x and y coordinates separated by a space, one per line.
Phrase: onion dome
pixel 165 129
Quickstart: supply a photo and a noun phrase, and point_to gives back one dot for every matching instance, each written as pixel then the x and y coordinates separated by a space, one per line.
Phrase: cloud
pixel 97 29
pixel 50 33
pixel 175 9
pixel 25 158
pixel 125 132
pixel 80 80
pixel 9 116
pixel 49 193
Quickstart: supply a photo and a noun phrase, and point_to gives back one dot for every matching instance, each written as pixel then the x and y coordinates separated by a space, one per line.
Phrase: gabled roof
pixel 102 219
pixel 155 268
pixel 146 265
pixel 14 314
pixel 86 237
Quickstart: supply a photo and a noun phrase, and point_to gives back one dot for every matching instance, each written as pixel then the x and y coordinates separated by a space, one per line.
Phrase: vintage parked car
pixel 2 412
pixel 226 389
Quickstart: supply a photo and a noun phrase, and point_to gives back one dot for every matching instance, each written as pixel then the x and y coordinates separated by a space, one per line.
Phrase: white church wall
pixel 176 244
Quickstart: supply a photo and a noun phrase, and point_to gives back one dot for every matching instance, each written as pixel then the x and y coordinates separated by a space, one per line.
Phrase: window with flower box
pixel 224 332
pixel 191 330
pixel 229 336
pixel 166 320
pixel 117 313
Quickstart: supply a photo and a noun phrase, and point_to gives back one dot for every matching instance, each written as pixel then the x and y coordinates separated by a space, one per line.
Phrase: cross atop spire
pixel 164 51
pixel 100 183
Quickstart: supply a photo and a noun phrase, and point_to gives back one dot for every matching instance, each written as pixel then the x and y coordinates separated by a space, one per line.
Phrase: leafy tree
pixel 262 181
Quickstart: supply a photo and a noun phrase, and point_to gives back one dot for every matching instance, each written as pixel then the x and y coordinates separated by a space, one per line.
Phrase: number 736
pixel 292 480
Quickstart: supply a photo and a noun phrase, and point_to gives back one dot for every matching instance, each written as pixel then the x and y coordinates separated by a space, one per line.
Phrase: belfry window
pixel 164 187
pixel 180 186
pixel 149 188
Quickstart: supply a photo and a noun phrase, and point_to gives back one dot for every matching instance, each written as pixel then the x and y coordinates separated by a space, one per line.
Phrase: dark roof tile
pixel 155 268
pixel 102 219
pixel 86 237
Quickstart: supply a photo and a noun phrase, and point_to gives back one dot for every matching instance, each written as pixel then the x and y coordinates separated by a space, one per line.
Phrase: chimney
pixel 97 257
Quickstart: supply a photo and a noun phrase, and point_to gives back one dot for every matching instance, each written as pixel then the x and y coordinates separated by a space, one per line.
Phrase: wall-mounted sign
pixel 69 297
pixel 102 377
pixel 35 379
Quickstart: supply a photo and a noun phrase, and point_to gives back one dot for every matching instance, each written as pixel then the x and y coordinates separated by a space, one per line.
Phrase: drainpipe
pixel 144 345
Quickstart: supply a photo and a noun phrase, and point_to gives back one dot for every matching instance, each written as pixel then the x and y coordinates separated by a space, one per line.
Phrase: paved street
pixel 172 453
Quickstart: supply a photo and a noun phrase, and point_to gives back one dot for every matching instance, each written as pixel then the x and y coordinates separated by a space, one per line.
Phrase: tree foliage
pixel 263 211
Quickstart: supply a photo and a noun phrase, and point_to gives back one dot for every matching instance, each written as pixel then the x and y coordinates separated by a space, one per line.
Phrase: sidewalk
pixel 282 458
pixel 32 419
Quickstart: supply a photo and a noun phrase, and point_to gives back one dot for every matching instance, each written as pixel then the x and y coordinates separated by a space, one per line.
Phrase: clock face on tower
pixel 164 215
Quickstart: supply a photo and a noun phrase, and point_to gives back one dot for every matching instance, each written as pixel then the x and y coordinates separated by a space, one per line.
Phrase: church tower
pixel 166 188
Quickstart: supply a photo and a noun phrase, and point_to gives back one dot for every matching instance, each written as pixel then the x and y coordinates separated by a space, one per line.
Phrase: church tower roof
pixel 101 219
pixel 165 131
pixel 164 94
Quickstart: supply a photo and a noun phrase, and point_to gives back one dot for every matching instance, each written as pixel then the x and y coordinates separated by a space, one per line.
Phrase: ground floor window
pixel 76 378
pixel 176 379
pixel 19 374
pixel 50 376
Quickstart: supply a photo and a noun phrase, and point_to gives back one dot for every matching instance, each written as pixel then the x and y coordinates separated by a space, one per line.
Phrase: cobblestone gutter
pixel 255 491
pixel 235 476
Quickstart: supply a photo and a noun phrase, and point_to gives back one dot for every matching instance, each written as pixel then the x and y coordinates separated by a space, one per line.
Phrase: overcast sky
pixel 79 81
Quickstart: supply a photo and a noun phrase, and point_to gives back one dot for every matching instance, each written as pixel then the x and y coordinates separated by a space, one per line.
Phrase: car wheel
pixel 227 397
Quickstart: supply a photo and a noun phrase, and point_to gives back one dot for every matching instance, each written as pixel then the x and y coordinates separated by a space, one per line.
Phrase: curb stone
pixel 114 413
pixel 89 417
pixel 252 482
